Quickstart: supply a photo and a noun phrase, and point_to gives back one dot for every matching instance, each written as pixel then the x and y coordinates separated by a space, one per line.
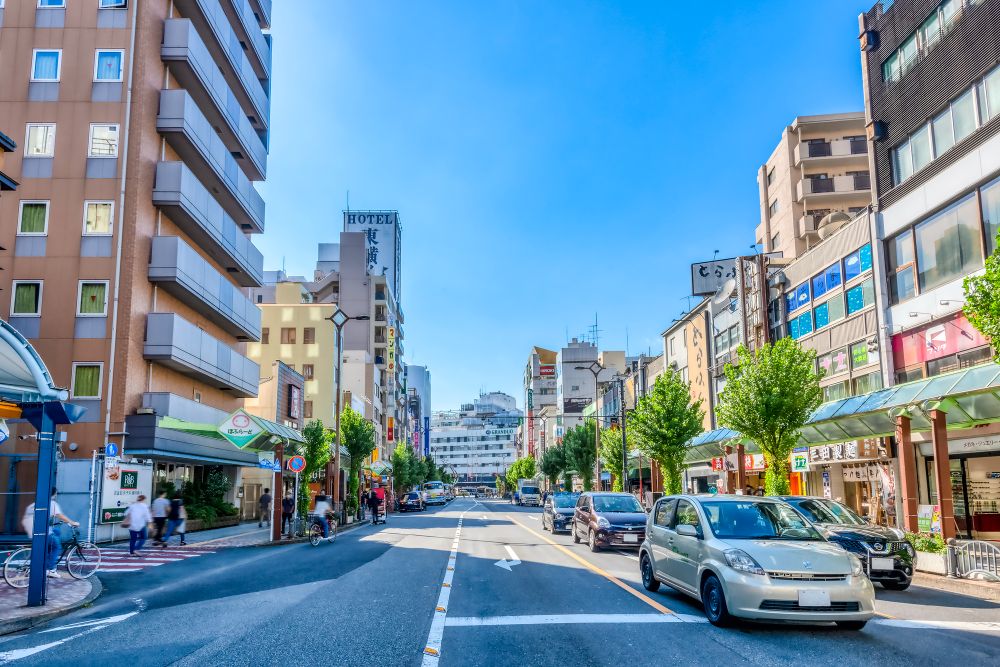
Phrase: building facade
pixel 419 410
pixel 540 389
pixel 477 442
pixel 145 127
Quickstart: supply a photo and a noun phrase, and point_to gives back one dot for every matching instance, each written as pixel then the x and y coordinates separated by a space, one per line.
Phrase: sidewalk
pixel 240 535
pixel 63 596
pixel 984 590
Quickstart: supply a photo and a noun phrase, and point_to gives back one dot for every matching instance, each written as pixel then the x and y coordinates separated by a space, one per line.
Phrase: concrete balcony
pixel 213 25
pixel 808 225
pixel 176 343
pixel 192 136
pixel 836 186
pixel 245 24
pixel 165 404
pixel 192 65
pixel 837 151
pixel 180 270
pixel 187 202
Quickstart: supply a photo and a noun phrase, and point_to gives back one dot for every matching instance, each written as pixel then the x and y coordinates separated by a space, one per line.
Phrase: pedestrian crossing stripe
pixel 117 560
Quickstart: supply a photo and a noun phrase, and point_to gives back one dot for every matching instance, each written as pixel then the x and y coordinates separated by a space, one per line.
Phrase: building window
pixel 797 298
pixel 308 336
pixel 866 384
pixel 990 197
pixel 51 3
pixel 97 218
pixel 108 65
pixel 307 409
pixel 288 336
pixel 916 46
pixel 836 391
pixel 829 312
pixel 93 298
pixel 833 362
pixel 801 325
pixel 857 262
pixel 103 141
pixel 948 245
pixel 773 208
pixel 87 380
pixel 265 335
pixel 33 219
pixel 826 281
pixel 40 140
pixel 860 296
pixel 112 4
pixel 770 176
pixel 861 356
pixel 775 240
pixel 27 298
pixel 901 267
pixel 46 64
pixel 307 371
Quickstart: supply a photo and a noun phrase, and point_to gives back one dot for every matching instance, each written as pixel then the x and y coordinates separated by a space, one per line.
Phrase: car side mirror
pixel 687 530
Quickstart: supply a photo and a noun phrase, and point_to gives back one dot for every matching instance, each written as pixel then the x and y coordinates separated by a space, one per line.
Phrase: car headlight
pixel 741 561
pixel 900 535
pixel 602 522
pixel 857 569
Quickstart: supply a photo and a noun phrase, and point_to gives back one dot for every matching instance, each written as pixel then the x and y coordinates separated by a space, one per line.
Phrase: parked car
pixel 411 502
pixel 886 555
pixel 557 513
pixel 608 519
pixel 753 558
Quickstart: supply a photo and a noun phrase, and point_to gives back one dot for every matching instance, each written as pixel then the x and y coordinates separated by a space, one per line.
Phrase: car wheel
pixel 576 535
pixel 592 542
pixel 714 599
pixel 851 625
pixel 649 581
pixel 895 585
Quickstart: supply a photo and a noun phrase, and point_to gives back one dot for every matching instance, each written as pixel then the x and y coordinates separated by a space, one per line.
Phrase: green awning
pixel 379 468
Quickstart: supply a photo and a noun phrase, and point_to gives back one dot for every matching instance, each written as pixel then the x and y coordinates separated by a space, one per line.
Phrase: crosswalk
pixel 116 560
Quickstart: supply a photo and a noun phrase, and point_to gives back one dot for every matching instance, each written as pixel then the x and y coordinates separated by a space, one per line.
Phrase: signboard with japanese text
pixel 697 360
pixel 390 429
pixel 800 459
pixel 708 277
pixel 240 429
pixel 575 406
pixel 869 449
pixel 294 402
pixel 390 350
pixel 383 236
pixel 427 436
pixel 122 485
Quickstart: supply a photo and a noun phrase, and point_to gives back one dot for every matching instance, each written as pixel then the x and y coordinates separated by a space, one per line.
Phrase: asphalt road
pixel 377 597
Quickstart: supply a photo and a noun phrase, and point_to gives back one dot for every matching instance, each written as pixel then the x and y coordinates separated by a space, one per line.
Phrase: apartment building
pixel 580 368
pixel 144 125
pixel 817 175
pixel 7 145
pixel 418 391
pixel 477 442
pixel 540 379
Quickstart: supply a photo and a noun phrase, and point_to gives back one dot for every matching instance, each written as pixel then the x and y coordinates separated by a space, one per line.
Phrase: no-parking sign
pixel 296 464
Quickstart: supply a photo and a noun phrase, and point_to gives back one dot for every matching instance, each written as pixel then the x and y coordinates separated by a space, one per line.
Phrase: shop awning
pixel 708 445
pixel 23 375
pixel 379 468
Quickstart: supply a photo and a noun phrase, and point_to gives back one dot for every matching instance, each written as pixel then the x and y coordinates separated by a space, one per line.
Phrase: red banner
pixel 934 341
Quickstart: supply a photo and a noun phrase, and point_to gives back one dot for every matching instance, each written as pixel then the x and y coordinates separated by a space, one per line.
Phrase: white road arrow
pixel 507 564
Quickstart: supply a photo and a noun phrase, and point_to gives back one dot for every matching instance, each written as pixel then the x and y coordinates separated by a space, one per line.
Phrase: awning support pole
pixel 942 473
pixel 907 473
pixel 43 495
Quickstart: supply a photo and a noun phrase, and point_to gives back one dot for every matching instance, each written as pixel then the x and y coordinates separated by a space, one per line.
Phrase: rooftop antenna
pixel 688 297
pixel 714 255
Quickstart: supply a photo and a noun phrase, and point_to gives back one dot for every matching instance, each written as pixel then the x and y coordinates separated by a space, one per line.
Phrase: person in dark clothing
pixel 373 504
pixel 265 508
pixel 175 518
pixel 287 512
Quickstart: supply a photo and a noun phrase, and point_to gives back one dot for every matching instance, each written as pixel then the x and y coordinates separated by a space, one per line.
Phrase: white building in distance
pixel 477 442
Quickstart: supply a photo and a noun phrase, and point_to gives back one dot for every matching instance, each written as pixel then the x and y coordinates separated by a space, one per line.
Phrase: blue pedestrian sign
pixel 111 449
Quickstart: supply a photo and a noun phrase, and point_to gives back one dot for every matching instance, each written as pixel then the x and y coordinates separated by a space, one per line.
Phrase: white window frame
pixel 120 4
pixel 111 218
pixel 100 379
pixel 13 294
pixel 62 5
pixel 34 53
pixel 27 135
pixel 90 140
pixel 121 65
pixel 79 296
pixel 20 212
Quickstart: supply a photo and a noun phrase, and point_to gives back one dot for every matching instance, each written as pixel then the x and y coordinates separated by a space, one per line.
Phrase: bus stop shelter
pixel 28 392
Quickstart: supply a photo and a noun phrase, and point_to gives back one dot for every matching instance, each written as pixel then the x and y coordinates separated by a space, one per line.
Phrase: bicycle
pixel 82 560
pixel 316 529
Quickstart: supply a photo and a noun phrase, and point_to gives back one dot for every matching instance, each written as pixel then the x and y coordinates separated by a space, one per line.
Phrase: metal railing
pixel 973 559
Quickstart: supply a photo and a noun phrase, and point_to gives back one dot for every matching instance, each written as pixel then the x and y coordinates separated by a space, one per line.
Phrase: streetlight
pixel 595 368
pixel 339 319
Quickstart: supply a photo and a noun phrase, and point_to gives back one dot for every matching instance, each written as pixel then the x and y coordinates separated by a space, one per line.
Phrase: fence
pixel 973 559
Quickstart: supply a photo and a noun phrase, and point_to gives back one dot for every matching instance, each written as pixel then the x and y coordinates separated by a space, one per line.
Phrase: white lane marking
pixel 533 517
pixel 983 626
pixel 564 619
pixel 628 555
pixel 87 624
pixel 20 653
pixel 507 564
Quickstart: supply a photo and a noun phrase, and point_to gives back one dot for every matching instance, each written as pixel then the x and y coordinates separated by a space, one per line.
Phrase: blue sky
pixel 549 159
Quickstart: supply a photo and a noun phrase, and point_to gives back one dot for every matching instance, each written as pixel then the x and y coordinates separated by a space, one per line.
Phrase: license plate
pixel 882 563
pixel 814 598
pixel 630 539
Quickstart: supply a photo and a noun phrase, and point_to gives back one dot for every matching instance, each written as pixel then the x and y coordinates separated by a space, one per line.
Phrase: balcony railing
pixel 193 137
pixel 262 12
pixel 837 148
pixel 246 25
pixel 845 184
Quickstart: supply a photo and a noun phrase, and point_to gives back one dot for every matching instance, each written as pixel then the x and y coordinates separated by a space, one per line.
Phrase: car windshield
pixel 530 489
pixel 567 500
pixel 829 511
pixel 757 521
pixel 412 496
pixel 616 504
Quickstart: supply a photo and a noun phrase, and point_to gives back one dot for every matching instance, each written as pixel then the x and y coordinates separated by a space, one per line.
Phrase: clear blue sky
pixel 549 159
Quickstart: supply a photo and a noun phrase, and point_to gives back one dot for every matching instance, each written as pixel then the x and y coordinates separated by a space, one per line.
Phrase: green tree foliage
pixel 358 436
pixel 316 451
pixel 523 468
pixel 581 452
pixel 403 468
pixel 664 421
pixel 553 464
pixel 612 456
pixel 982 300
pixel 501 485
pixel 768 398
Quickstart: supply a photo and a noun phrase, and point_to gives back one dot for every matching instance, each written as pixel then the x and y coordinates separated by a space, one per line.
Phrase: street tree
pixel 358 437
pixel 523 468
pixel 402 468
pixel 982 300
pixel 612 456
pixel 768 398
pixel 316 451
pixel 664 421
pixel 553 464
pixel 580 452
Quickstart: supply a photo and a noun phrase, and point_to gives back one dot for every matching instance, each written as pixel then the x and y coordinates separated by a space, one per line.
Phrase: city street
pixel 376 596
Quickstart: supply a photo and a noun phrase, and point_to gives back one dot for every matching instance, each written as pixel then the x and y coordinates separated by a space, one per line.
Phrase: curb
pixel 9 627
pixel 972 588
pixel 300 540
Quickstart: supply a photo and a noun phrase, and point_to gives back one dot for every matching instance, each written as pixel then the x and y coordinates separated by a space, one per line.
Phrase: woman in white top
pixel 137 517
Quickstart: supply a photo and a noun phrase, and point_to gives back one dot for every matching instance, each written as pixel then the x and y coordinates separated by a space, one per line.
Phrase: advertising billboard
pixel 123 483
pixel 547 370
pixel 384 238
pixel 575 406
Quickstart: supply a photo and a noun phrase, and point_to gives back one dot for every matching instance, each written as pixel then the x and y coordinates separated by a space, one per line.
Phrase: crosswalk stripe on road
pixel 118 559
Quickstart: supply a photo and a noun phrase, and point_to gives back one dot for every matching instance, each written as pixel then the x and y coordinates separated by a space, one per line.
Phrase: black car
pixel 557 513
pixel 411 502
pixel 886 555
pixel 609 519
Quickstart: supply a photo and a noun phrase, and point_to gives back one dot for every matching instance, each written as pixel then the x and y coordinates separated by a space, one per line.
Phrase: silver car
pixel 754 558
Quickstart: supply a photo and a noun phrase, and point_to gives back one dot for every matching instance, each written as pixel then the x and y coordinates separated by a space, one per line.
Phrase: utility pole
pixel 621 390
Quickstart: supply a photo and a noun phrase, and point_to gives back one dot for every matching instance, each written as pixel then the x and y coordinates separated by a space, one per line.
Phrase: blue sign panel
pixel 427 436
pixel 111 449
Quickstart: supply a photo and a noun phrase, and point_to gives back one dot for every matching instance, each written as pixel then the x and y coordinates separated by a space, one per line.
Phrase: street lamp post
pixel 595 368
pixel 339 319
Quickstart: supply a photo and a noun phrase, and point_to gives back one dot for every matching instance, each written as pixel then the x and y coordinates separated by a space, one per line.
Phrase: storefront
pixel 858 473
pixel 974 464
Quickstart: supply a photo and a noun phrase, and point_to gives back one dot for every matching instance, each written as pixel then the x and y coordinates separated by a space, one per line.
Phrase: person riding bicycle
pixel 321 510
pixel 54 546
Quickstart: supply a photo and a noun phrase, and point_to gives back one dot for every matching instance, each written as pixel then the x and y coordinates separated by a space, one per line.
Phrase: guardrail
pixel 973 559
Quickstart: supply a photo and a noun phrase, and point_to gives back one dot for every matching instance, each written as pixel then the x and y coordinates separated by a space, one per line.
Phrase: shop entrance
pixel 975 487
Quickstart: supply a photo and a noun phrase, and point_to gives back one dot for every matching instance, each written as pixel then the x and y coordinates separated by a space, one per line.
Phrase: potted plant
pixel 931 552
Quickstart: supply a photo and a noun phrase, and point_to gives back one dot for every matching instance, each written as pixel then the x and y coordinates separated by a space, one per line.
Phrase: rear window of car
pixel 567 500
pixel 529 489
pixel 413 496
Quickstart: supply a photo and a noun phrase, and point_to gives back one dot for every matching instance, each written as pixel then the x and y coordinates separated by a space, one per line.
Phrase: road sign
pixel 4 431
pixel 296 464
pixel 111 450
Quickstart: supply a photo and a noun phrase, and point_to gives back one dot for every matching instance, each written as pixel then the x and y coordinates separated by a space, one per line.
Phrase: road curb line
pixel 10 627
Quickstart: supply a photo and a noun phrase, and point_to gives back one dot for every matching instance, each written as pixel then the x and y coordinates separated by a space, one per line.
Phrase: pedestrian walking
pixel 287 512
pixel 265 508
pixel 160 510
pixel 373 503
pixel 137 519
pixel 174 520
